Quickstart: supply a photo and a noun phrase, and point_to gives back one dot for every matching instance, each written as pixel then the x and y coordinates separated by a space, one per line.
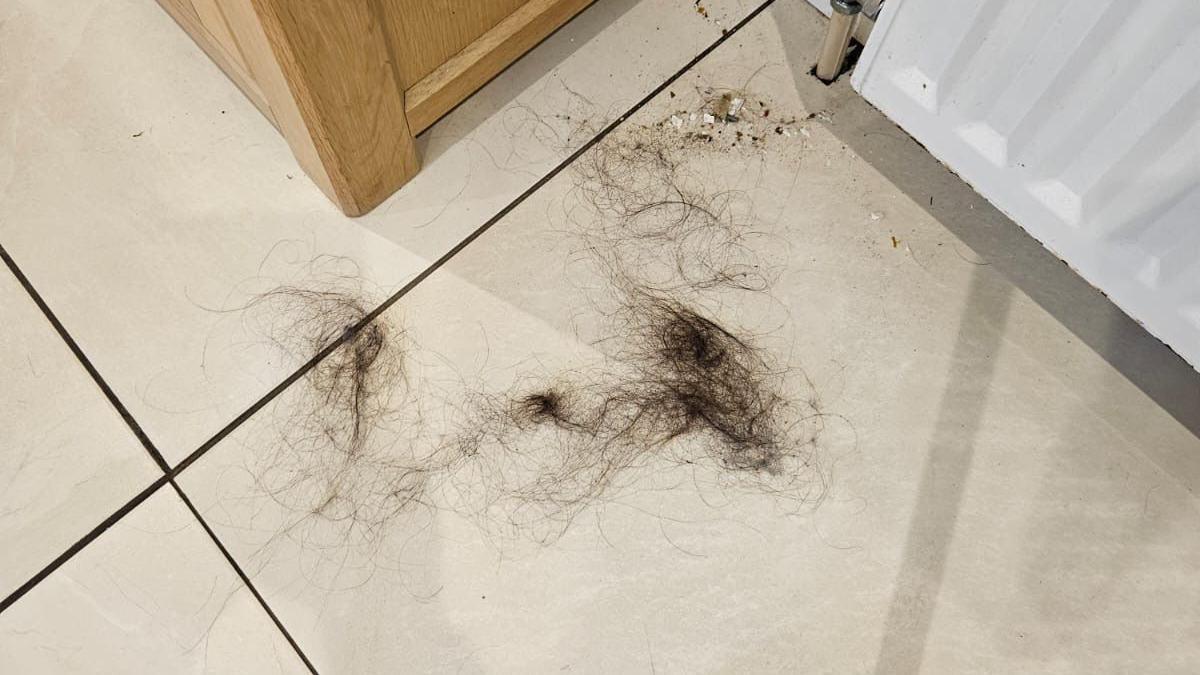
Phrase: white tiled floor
pixel 151 595
pixel 1001 498
pixel 66 458
pixel 159 236
pixel 137 242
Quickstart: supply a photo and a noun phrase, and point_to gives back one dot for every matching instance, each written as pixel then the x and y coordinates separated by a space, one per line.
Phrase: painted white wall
pixel 1080 119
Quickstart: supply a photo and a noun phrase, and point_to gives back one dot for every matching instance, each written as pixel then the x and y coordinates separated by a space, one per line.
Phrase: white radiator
pixel 1079 118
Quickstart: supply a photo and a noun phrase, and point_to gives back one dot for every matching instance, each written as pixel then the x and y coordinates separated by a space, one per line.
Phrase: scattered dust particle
pixel 823 115
pixel 735 107
pixel 724 103
pixel 701 9
pixel 876 215
pixel 289 176
pixel 138 134
pixel 895 242
pixel 671 93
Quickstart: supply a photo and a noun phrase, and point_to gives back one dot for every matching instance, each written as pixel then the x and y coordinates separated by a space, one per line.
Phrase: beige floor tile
pixel 143 195
pixel 151 595
pixel 983 514
pixel 67 460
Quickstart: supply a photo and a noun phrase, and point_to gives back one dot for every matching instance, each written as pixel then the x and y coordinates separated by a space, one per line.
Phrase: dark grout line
pixel 437 264
pixel 79 545
pixel 244 577
pixel 170 474
pixel 85 361
pixel 157 456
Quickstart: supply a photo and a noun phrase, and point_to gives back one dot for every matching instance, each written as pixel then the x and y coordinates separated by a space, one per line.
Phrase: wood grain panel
pixel 452 82
pixel 264 69
pixel 335 59
pixel 426 33
pixel 178 8
pixel 186 16
pixel 330 74
pixel 214 21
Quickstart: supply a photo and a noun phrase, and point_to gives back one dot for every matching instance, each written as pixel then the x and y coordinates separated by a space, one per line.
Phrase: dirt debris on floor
pixel 733 120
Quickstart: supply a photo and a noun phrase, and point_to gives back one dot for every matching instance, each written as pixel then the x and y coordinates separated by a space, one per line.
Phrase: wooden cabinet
pixel 349 82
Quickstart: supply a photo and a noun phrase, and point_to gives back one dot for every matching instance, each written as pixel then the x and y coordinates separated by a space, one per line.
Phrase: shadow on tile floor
pixel 1152 366
pixel 1022 262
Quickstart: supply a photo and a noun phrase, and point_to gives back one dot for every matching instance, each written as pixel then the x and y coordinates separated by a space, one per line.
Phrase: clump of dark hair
pixel 652 224
pixel 350 388
pixel 676 386
pixel 698 376
pixel 334 460
pixel 680 390
pixel 546 406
